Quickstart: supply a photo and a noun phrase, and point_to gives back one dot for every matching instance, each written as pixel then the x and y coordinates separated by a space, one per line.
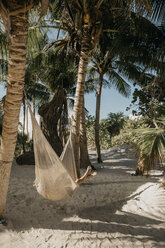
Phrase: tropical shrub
pixel 23 144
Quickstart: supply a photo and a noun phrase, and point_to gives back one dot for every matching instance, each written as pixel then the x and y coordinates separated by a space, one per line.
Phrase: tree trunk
pixel 23 128
pixel 82 68
pixel 34 106
pixel 97 118
pixel 15 86
pixel 84 156
pixel 27 123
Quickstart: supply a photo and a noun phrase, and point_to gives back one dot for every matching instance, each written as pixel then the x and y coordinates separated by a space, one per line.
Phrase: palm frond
pixel 151 144
pixel 119 83
pixel 158 14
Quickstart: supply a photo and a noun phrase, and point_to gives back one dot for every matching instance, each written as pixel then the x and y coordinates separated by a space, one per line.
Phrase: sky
pixel 111 101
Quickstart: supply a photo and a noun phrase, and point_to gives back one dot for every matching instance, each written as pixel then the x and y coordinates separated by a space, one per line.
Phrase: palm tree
pixel 59 76
pixel 130 54
pixel 84 22
pixel 17 33
pixel 105 66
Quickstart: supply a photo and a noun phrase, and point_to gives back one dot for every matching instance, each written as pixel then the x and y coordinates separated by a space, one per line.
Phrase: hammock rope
pixel 56 178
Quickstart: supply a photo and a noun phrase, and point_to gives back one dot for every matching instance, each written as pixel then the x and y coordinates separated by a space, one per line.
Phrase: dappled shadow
pixel 95 210
pixel 103 219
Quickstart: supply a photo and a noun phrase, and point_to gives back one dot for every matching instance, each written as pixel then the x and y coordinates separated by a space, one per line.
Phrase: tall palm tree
pixel 105 67
pixel 129 54
pixel 87 20
pixel 15 19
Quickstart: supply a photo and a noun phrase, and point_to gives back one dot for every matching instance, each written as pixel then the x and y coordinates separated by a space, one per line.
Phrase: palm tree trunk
pixel 23 128
pixel 82 68
pixel 34 106
pixel 27 123
pixel 16 74
pixel 84 156
pixel 97 118
pixel 24 114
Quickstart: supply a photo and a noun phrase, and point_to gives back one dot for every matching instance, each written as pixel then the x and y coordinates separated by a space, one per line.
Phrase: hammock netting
pixel 55 177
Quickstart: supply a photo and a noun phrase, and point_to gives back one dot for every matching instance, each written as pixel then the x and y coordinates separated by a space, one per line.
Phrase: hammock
pixel 55 177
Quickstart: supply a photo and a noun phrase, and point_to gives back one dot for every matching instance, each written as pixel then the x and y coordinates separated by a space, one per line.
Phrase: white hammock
pixel 55 177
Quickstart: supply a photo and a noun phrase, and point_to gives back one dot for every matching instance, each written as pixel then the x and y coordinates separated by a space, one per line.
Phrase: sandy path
pixel 100 214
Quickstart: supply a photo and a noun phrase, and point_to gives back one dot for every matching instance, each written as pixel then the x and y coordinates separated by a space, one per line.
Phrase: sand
pixel 113 209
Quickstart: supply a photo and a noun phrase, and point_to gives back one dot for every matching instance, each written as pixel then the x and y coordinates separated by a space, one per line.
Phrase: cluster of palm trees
pixel 111 35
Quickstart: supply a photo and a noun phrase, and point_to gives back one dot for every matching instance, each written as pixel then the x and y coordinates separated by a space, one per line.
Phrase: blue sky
pixel 2 91
pixel 111 101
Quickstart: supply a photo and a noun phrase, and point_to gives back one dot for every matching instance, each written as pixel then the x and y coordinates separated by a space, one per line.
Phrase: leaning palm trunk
pixel 16 74
pixel 82 68
pixel 84 156
pixel 97 118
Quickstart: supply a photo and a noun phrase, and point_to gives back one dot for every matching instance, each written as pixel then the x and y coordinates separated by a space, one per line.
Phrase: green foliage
pixel 128 130
pixel 150 144
pixel 105 141
pixel 150 97
pixel 106 64
pixel 115 122
pixel 59 69
pixel 108 128
pixel 103 135
pixel 23 144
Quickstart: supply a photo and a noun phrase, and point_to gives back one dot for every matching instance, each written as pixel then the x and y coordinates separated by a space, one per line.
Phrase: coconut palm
pixel 84 21
pixel 105 67
pixel 15 19
pixel 130 54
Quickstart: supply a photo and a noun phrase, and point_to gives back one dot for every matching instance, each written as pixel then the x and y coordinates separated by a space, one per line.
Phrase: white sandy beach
pixel 113 209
